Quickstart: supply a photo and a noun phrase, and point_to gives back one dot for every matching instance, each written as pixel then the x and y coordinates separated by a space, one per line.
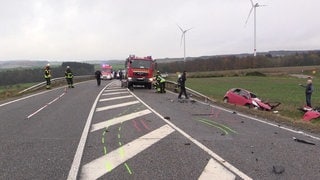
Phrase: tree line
pixel 30 75
pixel 233 62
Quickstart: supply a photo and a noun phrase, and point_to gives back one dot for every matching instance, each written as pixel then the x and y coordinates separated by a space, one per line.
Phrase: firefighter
pixel 69 77
pixel 47 76
pixel 98 77
pixel 160 83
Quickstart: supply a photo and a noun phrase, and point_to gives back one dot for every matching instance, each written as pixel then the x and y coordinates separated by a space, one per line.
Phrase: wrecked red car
pixel 310 113
pixel 244 97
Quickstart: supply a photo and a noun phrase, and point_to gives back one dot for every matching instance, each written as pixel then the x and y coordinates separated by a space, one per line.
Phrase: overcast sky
pixel 58 30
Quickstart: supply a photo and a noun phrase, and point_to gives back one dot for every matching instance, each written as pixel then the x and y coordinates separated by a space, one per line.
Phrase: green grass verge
pixel 284 89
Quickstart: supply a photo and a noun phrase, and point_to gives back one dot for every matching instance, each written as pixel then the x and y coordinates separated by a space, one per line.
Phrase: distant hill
pixel 22 64
pixel 280 53
pixel 42 63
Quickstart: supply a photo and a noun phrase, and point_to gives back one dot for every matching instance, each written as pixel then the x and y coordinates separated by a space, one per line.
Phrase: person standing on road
pixel 98 77
pixel 120 75
pixel 69 77
pixel 161 83
pixel 182 82
pixel 308 91
pixel 47 76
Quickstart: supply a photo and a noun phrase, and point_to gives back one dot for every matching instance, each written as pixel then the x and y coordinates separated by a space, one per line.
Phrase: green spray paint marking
pixel 205 122
pixel 223 126
pixel 128 168
pixel 121 150
pixel 108 166
pixel 105 150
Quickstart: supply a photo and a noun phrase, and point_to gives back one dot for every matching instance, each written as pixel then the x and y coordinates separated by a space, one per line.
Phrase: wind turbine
pixel 183 36
pixel 254 6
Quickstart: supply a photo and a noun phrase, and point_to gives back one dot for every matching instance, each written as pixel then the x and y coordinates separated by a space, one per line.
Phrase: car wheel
pixel 248 105
pixel 225 100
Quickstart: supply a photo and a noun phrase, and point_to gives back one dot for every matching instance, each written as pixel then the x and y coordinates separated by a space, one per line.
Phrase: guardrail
pixel 56 81
pixel 171 85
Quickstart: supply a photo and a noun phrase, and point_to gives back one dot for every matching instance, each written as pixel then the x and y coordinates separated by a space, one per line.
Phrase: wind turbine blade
pixel 249 15
pixel 180 28
pixel 181 39
pixel 252 3
pixel 188 29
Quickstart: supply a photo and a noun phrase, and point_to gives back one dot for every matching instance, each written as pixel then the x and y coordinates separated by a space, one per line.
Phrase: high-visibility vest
pixel 47 73
pixel 68 75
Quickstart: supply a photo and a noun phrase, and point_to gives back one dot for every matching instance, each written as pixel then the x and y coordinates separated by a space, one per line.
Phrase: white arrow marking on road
pixel 116 106
pixel 118 120
pixel 97 167
pixel 115 98
pixel 214 170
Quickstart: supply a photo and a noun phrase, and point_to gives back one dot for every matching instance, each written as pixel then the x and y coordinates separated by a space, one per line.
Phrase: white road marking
pixel 214 170
pixel 118 120
pixel 97 167
pixel 113 90
pixel 115 98
pixel 200 145
pixel 73 173
pixel 115 93
pixel 265 122
pixel 116 106
pixel 45 105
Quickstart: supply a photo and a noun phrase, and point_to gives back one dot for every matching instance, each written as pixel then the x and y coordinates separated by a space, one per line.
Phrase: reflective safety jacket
pixel 160 79
pixel 68 74
pixel 47 73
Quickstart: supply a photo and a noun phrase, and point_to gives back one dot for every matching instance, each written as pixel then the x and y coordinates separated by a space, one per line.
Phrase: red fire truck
pixel 140 71
pixel 106 72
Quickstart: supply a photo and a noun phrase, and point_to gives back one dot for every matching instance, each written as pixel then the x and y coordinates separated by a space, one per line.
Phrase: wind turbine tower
pixel 253 8
pixel 183 37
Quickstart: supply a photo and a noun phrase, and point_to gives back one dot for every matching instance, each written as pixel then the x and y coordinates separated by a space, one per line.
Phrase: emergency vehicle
pixel 140 71
pixel 106 72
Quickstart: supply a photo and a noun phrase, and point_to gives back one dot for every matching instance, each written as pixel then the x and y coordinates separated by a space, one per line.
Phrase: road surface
pixel 109 132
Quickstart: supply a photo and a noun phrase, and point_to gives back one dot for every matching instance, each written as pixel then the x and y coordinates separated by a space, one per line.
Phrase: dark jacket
pixel 182 79
pixel 309 88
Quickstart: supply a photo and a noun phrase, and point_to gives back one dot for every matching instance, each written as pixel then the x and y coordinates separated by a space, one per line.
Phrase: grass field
pixel 284 89
pixel 12 90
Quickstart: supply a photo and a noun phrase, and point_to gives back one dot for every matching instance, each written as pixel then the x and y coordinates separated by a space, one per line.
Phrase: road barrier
pixel 173 86
pixel 57 82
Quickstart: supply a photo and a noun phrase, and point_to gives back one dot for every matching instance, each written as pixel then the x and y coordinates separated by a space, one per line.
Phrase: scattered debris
pixel 167 117
pixel 183 101
pixel 303 141
pixel 278 169
pixel 192 101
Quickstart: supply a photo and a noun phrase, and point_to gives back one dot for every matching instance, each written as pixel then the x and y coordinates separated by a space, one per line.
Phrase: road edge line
pixel 199 144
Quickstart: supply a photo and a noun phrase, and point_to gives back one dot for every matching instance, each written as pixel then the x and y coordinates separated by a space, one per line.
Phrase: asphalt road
pixel 108 132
